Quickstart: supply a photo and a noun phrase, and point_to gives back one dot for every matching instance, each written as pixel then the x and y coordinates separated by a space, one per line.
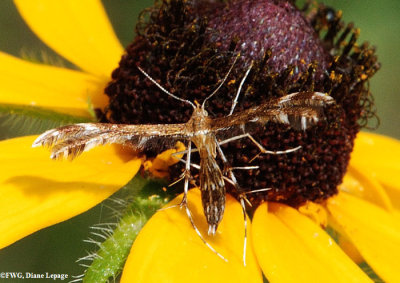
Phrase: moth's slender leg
pixel 168 207
pixel 234 102
pixel 184 176
pixel 262 149
pixel 242 196
pixel 177 180
pixel 184 151
pixel 194 165
pixel 227 166
pixel 187 175
pixel 201 236
pixel 245 168
pixel 242 204
pixel 184 203
pixel 229 181
pixel 258 191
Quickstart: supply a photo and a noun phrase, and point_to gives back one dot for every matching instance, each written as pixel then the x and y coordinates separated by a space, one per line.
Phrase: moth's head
pixel 189 46
pixel 199 111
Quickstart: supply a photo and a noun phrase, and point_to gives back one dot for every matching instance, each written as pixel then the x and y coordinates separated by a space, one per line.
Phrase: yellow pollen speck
pixel 231 82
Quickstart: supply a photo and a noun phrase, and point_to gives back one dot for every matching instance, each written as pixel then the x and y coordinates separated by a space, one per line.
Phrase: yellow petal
pixel 379 155
pixel 78 30
pixel 363 185
pixel 374 231
pixel 168 249
pixel 36 192
pixel 59 89
pixel 290 247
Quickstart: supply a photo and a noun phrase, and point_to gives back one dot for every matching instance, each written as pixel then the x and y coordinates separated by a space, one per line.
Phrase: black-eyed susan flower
pixel 187 47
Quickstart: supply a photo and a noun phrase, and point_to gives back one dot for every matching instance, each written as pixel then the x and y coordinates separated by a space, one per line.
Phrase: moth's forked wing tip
pixel 46 139
pixel 324 97
pixel 36 143
pixel 54 136
pixel 66 152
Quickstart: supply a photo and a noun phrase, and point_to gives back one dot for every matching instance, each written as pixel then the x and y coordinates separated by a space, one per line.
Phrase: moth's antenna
pixel 164 90
pixel 240 88
pixel 223 81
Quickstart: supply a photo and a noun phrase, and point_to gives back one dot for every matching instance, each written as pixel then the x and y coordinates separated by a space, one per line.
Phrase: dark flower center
pixel 188 46
pixel 262 26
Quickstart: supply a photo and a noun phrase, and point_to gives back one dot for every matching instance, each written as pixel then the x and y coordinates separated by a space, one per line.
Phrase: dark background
pixel 56 248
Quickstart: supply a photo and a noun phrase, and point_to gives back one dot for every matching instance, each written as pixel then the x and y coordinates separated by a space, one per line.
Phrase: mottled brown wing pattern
pixel 70 141
pixel 212 188
pixel 299 110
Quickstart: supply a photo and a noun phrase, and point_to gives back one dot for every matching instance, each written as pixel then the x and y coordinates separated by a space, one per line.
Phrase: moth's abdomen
pixel 212 188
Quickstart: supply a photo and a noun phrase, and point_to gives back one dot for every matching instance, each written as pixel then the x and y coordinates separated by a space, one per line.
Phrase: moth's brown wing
pixel 70 141
pixel 212 189
pixel 299 110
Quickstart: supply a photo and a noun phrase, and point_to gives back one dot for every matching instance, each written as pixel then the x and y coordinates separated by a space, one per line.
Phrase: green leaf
pixel 110 258
pixel 18 120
